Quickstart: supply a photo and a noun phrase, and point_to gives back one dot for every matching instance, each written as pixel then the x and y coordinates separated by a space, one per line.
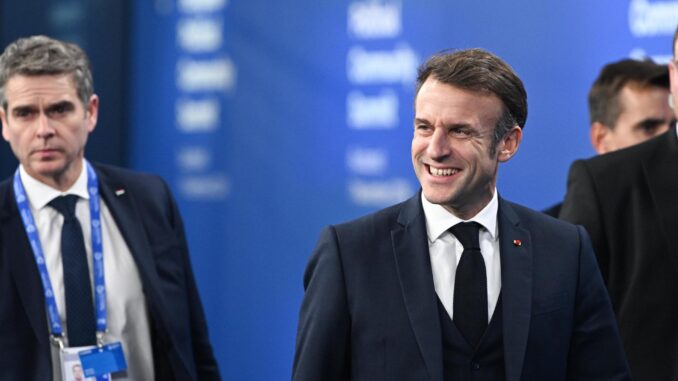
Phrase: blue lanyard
pixel 56 327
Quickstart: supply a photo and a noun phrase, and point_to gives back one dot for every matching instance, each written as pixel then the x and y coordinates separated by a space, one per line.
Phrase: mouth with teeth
pixel 442 172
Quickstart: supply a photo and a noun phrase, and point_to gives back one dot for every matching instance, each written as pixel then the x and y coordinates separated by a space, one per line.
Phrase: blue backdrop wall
pixel 273 119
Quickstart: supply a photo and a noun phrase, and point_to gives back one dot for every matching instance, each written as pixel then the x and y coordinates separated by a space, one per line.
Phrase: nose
pixel 45 129
pixel 439 146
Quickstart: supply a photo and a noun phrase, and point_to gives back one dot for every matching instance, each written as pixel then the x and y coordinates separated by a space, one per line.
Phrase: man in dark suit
pixel 140 290
pixel 627 202
pixel 457 283
pixel 628 104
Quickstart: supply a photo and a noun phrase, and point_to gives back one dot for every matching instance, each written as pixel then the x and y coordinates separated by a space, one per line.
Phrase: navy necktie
pixel 81 326
pixel 470 284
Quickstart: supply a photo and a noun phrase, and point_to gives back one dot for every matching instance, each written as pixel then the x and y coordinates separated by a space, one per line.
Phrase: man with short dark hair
pixel 628 104
pixel 90 255
pixel 627 200
pixel 457 283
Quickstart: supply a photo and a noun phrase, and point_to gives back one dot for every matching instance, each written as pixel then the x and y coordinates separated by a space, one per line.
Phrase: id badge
pixel 71 367
pixel 102 361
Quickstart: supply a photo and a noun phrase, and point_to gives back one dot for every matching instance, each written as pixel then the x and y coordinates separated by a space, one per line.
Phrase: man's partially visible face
pixel 673 74
pixel 453 130
pixel 77 373
pixel 47 126
pixel 645 113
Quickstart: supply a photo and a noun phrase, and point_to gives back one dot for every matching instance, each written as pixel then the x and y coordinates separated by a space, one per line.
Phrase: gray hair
pixel 41 55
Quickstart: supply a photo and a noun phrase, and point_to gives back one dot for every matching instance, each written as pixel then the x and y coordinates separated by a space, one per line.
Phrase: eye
pixel 60 109
pixel 460 131
pixel 422 128
pixel 23 112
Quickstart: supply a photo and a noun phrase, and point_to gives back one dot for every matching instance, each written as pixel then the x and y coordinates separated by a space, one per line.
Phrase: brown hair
pixel 604 105
pixel 481 71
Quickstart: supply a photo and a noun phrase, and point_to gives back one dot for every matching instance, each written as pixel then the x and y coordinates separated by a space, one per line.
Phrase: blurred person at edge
pixel 628 104
pixel 628 202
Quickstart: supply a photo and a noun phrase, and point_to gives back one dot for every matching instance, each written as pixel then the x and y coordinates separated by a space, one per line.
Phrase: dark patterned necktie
pixel 81 326
pixel 470 284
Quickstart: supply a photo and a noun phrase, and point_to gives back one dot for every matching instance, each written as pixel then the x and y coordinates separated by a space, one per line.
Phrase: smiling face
pixel 47 126
pixel 451 147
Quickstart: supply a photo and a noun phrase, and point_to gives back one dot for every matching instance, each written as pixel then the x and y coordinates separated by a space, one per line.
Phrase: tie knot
pixel 467 234
pixel 65 205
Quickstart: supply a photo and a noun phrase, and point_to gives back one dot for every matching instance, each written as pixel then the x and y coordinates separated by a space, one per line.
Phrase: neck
pixel 63 180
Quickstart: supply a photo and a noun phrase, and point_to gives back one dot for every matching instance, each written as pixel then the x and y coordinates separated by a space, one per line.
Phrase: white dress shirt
pixel 125 300
pixel 445 250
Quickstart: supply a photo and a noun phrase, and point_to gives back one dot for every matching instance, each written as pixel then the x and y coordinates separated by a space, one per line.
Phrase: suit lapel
pixel 410 248
pixel 661 171
pixel 516 283
pixel 125 213
pixel 22 265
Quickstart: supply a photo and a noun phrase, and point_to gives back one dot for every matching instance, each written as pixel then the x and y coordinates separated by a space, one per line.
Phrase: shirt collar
pixel 439 219
pixel 40 194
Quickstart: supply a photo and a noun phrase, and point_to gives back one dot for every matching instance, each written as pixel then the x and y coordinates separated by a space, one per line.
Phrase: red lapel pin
pixel 517 242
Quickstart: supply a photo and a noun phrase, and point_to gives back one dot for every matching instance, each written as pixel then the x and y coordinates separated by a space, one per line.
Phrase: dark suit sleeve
pixel 596 351
pixel 205 363
pixel 323 342
pixel 582 207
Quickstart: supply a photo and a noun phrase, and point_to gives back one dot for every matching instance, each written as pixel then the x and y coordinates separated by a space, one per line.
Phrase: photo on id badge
pixel 71 368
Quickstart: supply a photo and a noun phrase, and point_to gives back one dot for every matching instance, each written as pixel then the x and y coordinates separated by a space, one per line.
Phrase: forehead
pixel 643 97
pixel 29 89
pixel 451 104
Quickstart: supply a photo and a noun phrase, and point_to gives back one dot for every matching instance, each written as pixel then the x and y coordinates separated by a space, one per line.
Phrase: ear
pixel 5 126
pixel 509 144
pixel 92 112
pixel 600 135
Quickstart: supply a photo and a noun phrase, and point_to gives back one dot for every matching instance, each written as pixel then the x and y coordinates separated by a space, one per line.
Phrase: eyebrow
pixel 451 125
pixel 24 108
pixel 68 105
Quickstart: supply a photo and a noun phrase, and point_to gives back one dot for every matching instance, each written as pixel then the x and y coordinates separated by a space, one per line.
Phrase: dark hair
pixel 41 55
pixel 604 105
pixel 481 71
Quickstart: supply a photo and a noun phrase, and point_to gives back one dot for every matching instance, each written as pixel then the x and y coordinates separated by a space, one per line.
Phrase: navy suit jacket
pixel 628 202
pixel 151 225
pixel 370 312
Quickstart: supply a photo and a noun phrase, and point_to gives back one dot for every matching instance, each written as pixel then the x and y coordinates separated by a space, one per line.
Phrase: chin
pixel 437 197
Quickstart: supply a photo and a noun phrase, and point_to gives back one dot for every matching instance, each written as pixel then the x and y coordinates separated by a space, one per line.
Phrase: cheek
pixel 418 146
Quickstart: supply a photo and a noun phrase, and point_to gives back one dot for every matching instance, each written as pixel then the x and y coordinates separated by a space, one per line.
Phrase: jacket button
pixel 475 365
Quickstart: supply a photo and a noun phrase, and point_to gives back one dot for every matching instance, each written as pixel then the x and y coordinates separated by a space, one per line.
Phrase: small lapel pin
pixel 120 192
pixel 517 242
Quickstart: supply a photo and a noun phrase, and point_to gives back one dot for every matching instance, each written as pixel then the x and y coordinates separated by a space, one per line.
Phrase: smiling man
pixel 457 283
pixel 89 254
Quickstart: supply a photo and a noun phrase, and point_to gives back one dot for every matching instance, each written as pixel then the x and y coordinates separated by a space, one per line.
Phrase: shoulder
pixel 379 217
pixel 126 178
pixel 368 232
pixel 627 160
pixel 5 185
pixel 370 225
pixel 538 223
